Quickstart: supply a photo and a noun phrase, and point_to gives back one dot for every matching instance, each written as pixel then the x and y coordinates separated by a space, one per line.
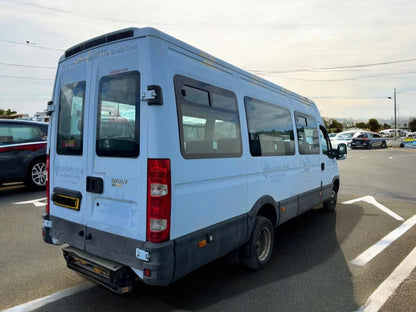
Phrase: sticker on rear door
pixel 118 182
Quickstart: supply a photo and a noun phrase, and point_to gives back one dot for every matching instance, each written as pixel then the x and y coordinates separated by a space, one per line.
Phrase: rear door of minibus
pixel 98 173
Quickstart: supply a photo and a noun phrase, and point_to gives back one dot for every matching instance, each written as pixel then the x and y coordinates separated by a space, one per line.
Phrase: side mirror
pixel 341 151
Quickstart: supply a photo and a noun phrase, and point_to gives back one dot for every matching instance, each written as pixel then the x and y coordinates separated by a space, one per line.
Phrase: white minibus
pixel 162 158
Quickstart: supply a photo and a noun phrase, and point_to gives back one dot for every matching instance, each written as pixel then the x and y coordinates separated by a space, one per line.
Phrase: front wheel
pixel 36 177
pixel 330 205
pixel 257 252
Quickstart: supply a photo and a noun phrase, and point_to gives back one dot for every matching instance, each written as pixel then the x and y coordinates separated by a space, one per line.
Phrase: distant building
pixel 41 116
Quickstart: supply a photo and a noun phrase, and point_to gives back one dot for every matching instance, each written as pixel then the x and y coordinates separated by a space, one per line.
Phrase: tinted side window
pixel 209 124
pixel 308 138
pixel 270 129
pixel 19 133
pixel 71 119
pixel 118 115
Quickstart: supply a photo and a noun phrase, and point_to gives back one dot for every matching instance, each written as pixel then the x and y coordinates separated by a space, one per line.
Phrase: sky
pixel 347 56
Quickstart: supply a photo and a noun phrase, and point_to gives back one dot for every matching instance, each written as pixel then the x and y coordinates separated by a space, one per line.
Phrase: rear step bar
pixel 115 276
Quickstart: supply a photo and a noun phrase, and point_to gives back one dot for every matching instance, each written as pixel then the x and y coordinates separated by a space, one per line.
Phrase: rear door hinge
pixel 153 95
pixel 51 108
pixel 148 95
pixel 47 223
pixel 142 255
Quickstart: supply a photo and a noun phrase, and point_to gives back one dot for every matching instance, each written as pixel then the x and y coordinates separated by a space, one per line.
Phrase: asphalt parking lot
pixel 313 266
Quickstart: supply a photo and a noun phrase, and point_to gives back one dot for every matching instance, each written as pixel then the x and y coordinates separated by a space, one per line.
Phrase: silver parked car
pixel 368 140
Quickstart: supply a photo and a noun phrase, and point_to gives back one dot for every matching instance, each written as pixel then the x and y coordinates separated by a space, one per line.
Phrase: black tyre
pixel 36 175
pixel 383 145
pixel 330 205
pixel 257 251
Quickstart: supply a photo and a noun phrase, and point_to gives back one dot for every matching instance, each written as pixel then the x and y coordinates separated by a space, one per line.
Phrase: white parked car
pixel 343 137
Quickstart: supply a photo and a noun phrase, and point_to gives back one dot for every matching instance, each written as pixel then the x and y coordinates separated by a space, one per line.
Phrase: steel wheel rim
pixel 263 244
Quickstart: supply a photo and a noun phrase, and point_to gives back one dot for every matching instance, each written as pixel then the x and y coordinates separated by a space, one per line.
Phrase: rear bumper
pixel 360 144
pixel 166 262
pixel 106 246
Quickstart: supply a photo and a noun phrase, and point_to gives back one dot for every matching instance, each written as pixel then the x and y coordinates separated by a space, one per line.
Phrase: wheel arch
pixel 36 159
pixel 266 207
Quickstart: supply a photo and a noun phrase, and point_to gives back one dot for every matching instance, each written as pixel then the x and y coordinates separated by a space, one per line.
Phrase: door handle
pixel 322 166
pixel 95 185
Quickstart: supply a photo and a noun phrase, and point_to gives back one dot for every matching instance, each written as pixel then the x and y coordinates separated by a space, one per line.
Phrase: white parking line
pixel 380 296
pixel 382 244
pixel 372 200
pixel 36 304
pixel 36 202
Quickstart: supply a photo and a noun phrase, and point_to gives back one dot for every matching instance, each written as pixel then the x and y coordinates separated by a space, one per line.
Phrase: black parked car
pixel 367 139
pixel 23 152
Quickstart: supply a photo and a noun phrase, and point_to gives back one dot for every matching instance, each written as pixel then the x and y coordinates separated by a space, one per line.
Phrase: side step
pixel 115 276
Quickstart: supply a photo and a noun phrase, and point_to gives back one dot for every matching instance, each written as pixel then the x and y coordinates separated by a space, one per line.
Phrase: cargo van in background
pixel 162 158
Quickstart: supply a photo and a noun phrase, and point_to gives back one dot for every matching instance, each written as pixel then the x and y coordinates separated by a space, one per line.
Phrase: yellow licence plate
pixel 66 201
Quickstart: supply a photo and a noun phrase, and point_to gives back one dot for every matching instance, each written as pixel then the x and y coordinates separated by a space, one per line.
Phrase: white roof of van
pixel 134 32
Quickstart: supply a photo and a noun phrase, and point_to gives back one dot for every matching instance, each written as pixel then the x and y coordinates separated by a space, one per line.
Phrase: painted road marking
pixel 380 296
pixel 36 202
pixel 382 244
pixel 38 303
pixel 372 200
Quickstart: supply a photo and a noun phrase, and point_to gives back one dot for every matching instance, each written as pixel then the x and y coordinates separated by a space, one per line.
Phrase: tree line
pixel 373 125
pixel 6 112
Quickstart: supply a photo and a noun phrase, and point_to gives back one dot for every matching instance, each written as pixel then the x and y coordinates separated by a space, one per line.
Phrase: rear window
pixel 118 115
pixel 70 119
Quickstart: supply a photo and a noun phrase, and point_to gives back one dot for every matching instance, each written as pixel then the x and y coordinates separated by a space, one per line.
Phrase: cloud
pixel 265 35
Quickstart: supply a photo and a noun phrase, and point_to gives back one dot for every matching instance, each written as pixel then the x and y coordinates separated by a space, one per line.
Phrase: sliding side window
pixel 71 119
pixel 270 129
pixel 118 115
pixel 308 138
pixel 209 123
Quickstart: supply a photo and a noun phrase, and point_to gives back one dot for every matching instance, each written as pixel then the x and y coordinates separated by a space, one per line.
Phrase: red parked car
pixel 23 152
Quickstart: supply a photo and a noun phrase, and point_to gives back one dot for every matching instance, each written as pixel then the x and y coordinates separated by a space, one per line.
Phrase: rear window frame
pixel 131 153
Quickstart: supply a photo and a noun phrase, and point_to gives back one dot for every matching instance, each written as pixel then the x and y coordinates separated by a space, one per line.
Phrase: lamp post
pixel 395 115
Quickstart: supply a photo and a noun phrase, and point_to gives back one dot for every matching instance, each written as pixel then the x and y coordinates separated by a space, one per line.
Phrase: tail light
pixel 158 200
pixel 47 184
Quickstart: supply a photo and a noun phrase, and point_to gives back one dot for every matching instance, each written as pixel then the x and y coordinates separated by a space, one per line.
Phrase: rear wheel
pixel 36 177
pixel 383 145
pixel 257 251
